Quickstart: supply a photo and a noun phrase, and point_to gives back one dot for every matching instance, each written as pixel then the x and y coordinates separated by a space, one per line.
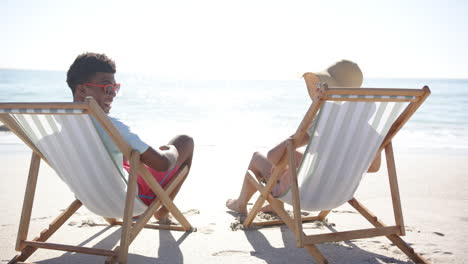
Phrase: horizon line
pixel 248 79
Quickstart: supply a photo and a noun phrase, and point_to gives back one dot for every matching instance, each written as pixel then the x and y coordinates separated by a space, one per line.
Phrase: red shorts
pixel 145 193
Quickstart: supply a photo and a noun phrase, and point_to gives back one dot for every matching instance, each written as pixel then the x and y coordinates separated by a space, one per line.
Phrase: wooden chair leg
pixel 295 193
pixel 129 203
pixel 264 191
pixel 407 249
pixel 399 242
pixel 394 190
pixel 323 214
pixel 279 210
pixel 28 201
pixel 316 254
pixel 164 198
pixel 111 221
pixel 312 249
pixel 146 216
pixel 258 204
pixel 48 232
pixel 113 259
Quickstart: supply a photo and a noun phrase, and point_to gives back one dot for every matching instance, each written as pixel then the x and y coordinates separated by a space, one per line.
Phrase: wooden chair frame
pixel 295 223
pixel 130 229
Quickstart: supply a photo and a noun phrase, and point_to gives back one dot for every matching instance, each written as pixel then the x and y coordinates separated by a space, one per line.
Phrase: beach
pixel 433 189
pixel 231 76
pixel 229 120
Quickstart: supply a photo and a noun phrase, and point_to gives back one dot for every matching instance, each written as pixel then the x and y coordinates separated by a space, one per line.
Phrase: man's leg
pixel 261 167
pixel 185 146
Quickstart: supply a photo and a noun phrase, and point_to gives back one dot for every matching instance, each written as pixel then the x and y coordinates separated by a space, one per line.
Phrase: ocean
pixel 243 114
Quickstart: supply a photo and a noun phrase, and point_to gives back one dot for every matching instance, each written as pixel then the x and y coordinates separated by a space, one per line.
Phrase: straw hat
pixel 341 74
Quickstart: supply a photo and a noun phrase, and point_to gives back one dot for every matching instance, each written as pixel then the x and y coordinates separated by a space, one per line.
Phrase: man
pixel 92 75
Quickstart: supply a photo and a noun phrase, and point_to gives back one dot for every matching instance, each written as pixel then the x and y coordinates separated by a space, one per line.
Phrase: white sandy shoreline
pixel 434 193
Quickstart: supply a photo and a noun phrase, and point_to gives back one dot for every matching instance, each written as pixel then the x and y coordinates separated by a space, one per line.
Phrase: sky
pixel 229 40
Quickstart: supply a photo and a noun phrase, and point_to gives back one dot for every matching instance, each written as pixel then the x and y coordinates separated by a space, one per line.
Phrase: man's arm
pixel 162 159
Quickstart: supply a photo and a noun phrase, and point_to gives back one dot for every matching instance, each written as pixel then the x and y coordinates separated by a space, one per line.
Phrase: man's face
pixel 98 93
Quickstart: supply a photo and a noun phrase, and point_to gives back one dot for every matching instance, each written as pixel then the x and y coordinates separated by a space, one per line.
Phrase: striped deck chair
pixel 65 136
pixel 348 127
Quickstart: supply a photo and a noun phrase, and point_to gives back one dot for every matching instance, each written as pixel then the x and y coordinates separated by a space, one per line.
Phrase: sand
pixel 434 194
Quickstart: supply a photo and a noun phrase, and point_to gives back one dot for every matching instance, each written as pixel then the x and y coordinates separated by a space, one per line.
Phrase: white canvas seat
pixel 91 173
pixel 344 141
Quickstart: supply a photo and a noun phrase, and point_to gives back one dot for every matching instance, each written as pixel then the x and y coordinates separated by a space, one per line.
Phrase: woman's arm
pixel 275 154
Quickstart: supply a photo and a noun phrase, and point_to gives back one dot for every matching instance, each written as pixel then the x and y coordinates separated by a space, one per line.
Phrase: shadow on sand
pixel 344 252
pixel 168 250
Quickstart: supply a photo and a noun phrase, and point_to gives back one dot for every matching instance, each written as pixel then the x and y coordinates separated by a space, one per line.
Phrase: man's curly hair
pixel 85 66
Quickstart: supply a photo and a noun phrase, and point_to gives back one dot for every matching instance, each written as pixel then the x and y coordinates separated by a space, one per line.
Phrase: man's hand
pixel 165 147
pixel 161 159
pixel 170 152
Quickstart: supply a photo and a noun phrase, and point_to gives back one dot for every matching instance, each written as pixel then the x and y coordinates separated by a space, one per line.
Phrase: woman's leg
pixel 261 167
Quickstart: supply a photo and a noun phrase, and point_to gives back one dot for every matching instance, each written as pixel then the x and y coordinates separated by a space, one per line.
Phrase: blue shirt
pixel 132 139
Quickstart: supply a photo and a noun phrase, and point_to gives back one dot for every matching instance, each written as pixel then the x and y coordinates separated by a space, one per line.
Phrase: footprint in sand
pixel 384 247
pixel 191 212
pixel 443 252
pixel 343 212
pixel 83 223
pixel 314 225
pixel 319 225
pixel 40 218
pixel 206 229
pixel 227 253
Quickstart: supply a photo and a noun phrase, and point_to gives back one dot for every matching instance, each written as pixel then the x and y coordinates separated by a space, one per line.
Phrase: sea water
pixel 237 114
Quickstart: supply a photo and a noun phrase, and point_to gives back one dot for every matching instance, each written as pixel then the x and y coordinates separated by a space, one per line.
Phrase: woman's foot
pixel 234 205
pixel 267 209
